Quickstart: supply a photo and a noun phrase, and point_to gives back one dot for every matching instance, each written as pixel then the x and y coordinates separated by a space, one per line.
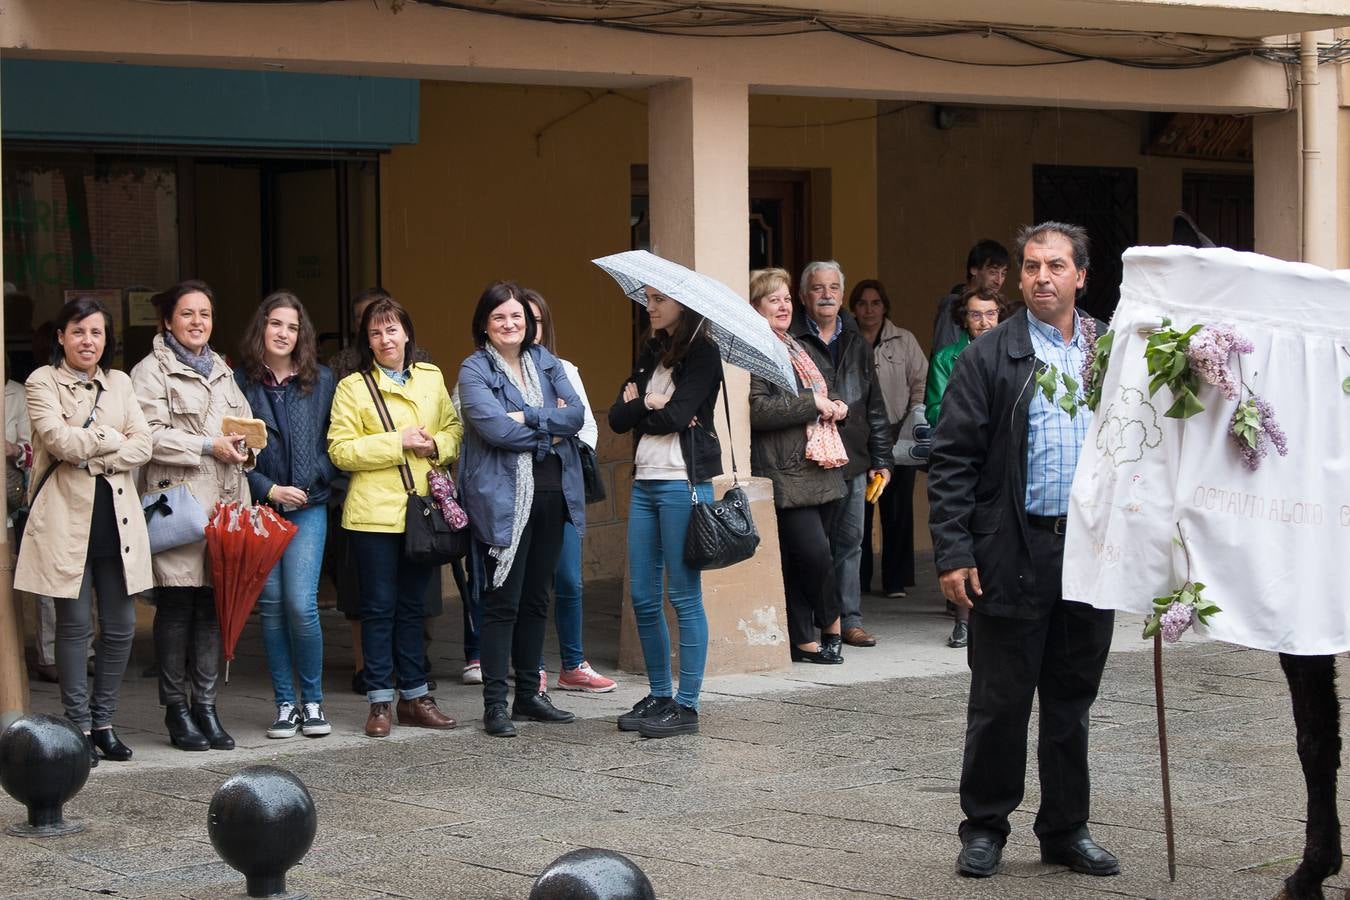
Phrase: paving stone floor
pixel 821 782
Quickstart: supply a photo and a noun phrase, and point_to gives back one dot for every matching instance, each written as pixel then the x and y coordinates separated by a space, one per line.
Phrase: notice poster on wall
pixel 141 311
pixel 111 298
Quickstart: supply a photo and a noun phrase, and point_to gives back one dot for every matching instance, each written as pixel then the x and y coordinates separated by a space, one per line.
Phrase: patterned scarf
pixel 823 444
pixel 202 363
pixel 524 501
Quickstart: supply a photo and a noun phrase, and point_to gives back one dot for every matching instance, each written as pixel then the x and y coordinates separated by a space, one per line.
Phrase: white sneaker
pixel 287 723
pixel 314 724
pixel 473 674
pixel 584 678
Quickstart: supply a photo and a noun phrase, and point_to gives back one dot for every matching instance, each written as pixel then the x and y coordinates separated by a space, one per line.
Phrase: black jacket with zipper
pixel 698 378
pixel 866 430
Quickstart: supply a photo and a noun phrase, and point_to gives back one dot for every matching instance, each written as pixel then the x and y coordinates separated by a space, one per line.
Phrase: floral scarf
pixel 202 363
pixel 524 501
pixel 823 444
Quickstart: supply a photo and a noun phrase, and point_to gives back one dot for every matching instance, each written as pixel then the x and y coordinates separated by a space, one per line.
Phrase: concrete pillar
pixel 698 170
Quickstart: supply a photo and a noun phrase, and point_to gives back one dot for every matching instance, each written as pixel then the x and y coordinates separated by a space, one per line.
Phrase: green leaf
pixel 1151 626
pixel 1069 405
pixel 1185 405
pixel 1069 383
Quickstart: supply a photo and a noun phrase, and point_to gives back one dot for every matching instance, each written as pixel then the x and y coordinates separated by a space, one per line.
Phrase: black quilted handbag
pixel 720 533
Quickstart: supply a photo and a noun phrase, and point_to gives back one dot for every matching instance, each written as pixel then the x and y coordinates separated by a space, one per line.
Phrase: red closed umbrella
pixel 244 543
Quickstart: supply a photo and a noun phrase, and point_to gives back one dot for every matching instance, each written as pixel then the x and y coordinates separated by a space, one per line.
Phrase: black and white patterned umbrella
pixel 743 336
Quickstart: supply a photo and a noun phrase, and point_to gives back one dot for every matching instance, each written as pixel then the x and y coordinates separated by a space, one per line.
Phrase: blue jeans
pixel 289 608
pixel 658 516
pixel 567 600
pixel 393 605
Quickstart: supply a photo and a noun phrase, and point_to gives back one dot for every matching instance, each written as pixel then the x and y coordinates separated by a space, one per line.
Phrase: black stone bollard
pixel 262 822
pixel 592 874
pixel 44 761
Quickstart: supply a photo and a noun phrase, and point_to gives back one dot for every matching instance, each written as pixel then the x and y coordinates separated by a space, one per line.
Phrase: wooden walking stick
pixel 1162 756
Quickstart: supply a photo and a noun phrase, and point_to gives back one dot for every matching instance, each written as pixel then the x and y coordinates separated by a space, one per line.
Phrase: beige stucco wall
pixel 531 183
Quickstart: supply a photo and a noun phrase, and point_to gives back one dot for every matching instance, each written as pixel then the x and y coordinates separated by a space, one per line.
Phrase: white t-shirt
pixel 659 457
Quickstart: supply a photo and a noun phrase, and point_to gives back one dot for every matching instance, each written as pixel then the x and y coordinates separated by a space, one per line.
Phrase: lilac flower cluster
pixel 1208 351
pixel 1088 326
pixel 1177 619
pixel 1252 443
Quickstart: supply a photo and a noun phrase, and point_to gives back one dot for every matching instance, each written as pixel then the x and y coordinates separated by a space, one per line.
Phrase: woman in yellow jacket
pixel 428 433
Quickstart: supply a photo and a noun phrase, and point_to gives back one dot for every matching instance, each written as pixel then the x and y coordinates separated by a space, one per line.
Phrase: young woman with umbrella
pixel 86 535
pixel 185 390
pixel 668 403
pixel 289 390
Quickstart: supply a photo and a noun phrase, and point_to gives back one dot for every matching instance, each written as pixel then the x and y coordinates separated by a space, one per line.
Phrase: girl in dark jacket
pixel 293 394
pixel 791 444
pixel 668 402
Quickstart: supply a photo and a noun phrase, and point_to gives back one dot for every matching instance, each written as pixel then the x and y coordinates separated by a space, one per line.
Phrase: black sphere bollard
pixel 262 822
pixel 44 761
pixel 592 874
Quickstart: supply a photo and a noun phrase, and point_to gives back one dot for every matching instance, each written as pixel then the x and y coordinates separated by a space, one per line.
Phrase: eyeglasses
pixel 990 316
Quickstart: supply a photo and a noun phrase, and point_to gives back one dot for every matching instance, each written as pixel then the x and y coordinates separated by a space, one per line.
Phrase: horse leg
pixel 1312 688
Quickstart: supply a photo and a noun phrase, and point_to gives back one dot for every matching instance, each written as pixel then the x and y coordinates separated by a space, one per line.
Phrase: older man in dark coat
pixel 1001 469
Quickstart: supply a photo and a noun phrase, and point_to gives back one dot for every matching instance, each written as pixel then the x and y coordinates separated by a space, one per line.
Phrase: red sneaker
pixel 584 678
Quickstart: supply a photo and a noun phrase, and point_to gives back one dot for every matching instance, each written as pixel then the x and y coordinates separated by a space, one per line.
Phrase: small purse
pixel 428 538
pixel 721 533
pixel 173 517
pixel 590 472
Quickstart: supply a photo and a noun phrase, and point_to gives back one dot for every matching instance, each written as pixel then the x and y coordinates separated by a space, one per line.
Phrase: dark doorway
pixel 1222 206
pixel 1105 201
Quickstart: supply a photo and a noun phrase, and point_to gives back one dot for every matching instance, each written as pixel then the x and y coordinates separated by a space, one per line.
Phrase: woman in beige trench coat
pixel 85 534
pixel 185 389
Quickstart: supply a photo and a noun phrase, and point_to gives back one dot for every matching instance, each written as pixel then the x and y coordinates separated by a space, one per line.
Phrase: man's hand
pixel 884 472
pixel 953 585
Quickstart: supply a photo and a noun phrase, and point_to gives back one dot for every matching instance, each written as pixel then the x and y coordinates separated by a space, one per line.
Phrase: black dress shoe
pixel 979 857
pixel 1082 855
pixel 833 645
pixel 539 708
pixel 106 740
pixel 209 723
pixel 497 721
pixel 93 752
pixel 819 657
pixel 183 731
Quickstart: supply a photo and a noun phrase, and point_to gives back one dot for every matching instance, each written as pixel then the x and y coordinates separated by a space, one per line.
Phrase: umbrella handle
pixel 227 671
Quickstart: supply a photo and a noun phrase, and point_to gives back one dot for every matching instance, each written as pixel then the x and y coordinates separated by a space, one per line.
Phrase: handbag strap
pixel 388 422
pixel 693 476
pixel 56 463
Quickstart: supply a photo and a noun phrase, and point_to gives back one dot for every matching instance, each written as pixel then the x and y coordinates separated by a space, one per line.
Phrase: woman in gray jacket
pixel 795 443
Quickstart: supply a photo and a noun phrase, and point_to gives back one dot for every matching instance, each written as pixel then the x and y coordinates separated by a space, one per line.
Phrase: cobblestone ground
pixel 795 788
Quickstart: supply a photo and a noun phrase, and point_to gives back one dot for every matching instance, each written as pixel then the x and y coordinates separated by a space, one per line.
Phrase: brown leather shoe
pixel 423 713
pixel 856 637
pixel 378 723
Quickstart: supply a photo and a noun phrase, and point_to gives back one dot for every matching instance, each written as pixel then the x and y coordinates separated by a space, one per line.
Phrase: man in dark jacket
pixel 999 478
pixel 844 358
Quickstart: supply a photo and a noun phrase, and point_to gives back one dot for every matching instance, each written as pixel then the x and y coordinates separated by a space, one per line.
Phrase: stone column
pixel 698 170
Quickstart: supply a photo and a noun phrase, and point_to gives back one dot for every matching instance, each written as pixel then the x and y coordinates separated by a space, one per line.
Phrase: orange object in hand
pixel 875 487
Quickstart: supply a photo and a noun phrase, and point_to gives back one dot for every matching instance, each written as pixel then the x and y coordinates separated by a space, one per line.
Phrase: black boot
pixel 209 723
pixel 107 741
pixel 183 732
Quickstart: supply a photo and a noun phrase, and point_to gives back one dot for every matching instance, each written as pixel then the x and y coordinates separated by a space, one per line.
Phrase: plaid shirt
pixel 1053 438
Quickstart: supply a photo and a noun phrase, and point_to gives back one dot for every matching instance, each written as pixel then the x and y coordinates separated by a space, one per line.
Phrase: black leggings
pixel 515 615
pixel 808 570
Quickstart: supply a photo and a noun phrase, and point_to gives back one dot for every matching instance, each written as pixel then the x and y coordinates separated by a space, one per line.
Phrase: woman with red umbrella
pixel 186 389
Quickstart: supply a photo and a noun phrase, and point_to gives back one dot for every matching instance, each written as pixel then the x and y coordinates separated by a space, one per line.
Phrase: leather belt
pixel 1054 524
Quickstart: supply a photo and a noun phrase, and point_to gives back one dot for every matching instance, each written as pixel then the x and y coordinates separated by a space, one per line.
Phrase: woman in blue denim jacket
pixel 521 481
pixel 288 389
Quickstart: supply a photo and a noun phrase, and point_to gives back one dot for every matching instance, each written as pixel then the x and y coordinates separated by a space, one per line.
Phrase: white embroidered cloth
pixel 1270 546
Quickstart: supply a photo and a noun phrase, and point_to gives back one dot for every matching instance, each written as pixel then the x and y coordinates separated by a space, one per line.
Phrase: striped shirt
pixel 1053 438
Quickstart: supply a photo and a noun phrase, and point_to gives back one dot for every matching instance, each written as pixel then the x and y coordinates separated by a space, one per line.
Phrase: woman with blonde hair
pixel 794 442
